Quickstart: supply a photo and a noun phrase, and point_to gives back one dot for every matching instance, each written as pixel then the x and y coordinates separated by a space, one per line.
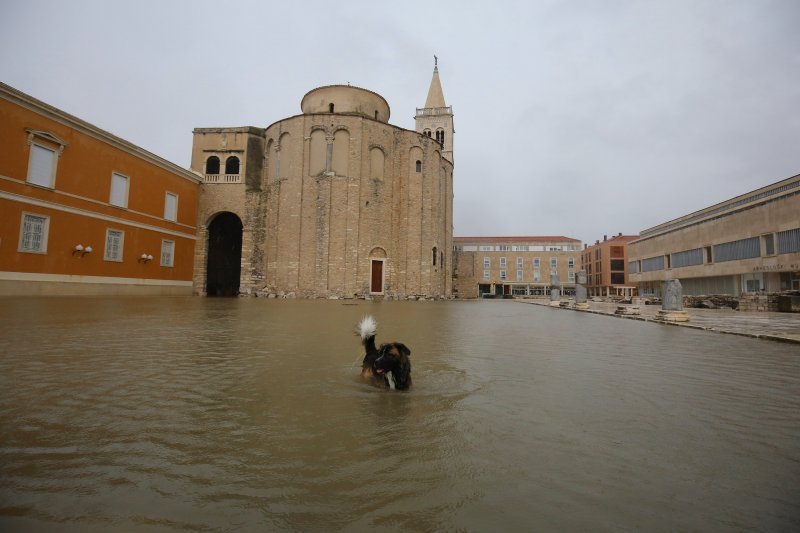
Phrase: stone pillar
pixel 580 290
pixel 672 303
pixel 555 292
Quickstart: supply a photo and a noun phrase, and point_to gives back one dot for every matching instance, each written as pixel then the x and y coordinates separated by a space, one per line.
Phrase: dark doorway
pixel 224 264
pixel 376 285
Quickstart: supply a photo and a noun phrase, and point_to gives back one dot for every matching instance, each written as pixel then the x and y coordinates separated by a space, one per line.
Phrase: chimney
pixel 620 234
pixel 605 238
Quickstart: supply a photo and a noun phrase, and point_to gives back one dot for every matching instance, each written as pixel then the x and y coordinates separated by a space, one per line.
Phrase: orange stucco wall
pixel 78 204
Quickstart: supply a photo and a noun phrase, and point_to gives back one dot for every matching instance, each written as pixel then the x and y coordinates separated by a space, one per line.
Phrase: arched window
pixel 330 108
pixel 212 165
pixel 441 137
pixel 419 165
pixel 426 132
pixel 434 256
pixel 232 165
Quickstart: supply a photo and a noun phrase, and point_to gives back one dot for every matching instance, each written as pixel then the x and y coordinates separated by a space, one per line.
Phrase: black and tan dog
pixel 387 366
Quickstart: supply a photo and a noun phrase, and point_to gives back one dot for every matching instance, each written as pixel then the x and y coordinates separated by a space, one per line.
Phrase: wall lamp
pixel 144 258
pixel 79 249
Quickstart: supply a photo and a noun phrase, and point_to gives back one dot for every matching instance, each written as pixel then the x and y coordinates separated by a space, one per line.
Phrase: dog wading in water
pixel 386 366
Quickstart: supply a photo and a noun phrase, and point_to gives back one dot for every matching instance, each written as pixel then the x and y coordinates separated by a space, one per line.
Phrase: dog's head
pixel 394 357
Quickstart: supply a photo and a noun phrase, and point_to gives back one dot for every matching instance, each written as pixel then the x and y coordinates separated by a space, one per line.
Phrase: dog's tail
pixel 366 328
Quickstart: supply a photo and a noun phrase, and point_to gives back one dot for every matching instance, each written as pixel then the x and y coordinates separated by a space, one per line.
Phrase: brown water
pixel 191 414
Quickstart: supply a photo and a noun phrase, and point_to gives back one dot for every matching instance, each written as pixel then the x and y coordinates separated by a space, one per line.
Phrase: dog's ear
pixel 403 348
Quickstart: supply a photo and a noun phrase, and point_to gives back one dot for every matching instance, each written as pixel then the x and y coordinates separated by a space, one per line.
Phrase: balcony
pixel 434 111
pixel 222 178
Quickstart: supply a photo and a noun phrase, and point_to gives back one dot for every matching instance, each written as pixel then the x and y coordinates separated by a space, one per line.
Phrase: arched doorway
pixel 377 274
pixel 224 261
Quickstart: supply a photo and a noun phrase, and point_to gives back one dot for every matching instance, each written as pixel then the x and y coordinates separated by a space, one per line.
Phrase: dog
pixel 386 366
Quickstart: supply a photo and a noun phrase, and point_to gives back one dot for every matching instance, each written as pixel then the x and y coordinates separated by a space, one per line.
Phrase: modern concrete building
pixel 334 202
pixel 747 244
pixel 514 266
pixel 85 212
pixel 606 265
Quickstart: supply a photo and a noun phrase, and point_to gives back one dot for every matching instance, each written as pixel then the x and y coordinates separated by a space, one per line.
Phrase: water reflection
pixel 187 414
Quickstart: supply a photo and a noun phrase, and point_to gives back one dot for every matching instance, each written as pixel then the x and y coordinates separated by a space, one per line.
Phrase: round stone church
pixel 332 203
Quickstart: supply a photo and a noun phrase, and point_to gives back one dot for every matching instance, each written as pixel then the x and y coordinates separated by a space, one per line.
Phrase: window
pixel 485 274
pixel 571 262
pixel 502 274
pixel 553 265
pixel 502 262
pixel 42 166
pixel 536 262
pixel 687 258
pixel 504 248
pixel 536 275
pixel 114 244
pixel 618 265
pixel 212 165
pixel 617 251
pixel 487 263
pixel 519 275
pixel 434 256
pixel 652 263
pixel 232 165
pixel 330 108
pixel 734 250
pixel 171 207
pixel 33 233
pixel 486 248
pixel 571 275
pixel 119 190
pixel 167 253
pixel 617 278
pixel 519 262
pixel 633 267
pixel 789 241
pixel 419 166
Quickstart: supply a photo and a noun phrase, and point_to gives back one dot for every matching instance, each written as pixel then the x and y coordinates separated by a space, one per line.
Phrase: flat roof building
pixel 747 244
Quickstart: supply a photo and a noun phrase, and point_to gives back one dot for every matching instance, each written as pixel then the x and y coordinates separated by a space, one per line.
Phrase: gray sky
pixel 577 118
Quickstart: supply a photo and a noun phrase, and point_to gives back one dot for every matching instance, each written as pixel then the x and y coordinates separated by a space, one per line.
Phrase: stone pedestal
pixel 672 316
pixel 582 306
pixel 628 310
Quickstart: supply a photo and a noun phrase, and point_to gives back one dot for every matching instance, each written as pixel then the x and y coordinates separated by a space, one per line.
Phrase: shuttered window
pixel 119 190
pixel 114 244
pixel 171 207
pixel 33 235
pixel 42 166
pixel 167 253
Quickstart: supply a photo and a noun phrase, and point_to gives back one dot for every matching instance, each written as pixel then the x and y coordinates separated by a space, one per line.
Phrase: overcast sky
pixel 576 118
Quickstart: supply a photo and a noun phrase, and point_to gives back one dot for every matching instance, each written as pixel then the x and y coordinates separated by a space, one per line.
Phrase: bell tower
pixel 436 119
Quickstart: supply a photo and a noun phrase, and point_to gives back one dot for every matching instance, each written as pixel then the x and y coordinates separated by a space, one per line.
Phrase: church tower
pixel 436 119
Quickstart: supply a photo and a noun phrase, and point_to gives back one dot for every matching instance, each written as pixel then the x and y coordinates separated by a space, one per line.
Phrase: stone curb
pixel 764 336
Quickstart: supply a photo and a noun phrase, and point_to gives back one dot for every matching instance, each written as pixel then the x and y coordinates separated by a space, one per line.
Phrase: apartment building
pixel 514 266
pixel 606 264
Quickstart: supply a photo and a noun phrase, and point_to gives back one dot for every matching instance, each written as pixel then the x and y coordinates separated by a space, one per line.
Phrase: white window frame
pixel 520 262
pixel 121 247
pixel 503 274
pixel 171 215
pixel 537 276
pixel 120 202
pixel 519 275
pixel 503 262
pixel 536 262
pixel 42 248
pixel 487 262
pixel 485 274
pixel 167 253
pixel 51 179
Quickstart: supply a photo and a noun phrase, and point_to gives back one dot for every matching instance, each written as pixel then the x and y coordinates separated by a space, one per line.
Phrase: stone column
pixel 672 303
pixel 555 292
pixel 580 290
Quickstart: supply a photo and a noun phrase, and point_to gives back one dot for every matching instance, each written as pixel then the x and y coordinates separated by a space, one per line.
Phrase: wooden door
pixel 376 285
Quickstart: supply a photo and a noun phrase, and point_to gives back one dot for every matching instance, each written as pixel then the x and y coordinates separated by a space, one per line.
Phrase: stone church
pixel 335 202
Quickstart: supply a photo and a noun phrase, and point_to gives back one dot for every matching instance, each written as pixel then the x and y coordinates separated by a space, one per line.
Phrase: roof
pixel 535 238
pixel 435 94
pixel 617 239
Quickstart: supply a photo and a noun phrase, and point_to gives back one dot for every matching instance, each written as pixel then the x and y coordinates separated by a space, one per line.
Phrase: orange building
pixel 606 266
pixel 85 212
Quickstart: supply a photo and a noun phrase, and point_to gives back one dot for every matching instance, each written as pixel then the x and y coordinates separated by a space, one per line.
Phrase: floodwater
pixel 199 414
